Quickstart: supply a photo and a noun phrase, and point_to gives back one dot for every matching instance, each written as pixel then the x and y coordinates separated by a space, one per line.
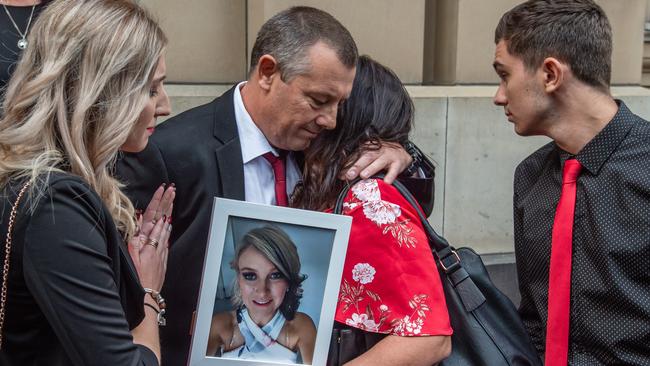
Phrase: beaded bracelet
pixel 157 297
pixel 160 315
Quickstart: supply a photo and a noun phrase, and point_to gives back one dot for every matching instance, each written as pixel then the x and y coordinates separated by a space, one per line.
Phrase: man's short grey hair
pixel 289 35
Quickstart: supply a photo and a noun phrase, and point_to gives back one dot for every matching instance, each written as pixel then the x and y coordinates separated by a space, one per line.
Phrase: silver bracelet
pixel 160 315
pixel 157 297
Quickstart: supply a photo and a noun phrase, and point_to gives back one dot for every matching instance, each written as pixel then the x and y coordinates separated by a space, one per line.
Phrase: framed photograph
pixel 270 285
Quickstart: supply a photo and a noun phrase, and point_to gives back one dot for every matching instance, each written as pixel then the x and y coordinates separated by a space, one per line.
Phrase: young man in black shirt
pixel 581 202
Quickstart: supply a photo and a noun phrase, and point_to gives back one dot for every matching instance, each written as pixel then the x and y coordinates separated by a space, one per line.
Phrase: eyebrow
pixel 247 269
pixel 321 95
pixel 160 79
pixel 497 65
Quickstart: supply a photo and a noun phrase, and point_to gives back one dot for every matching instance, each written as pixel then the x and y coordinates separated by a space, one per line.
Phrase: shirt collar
pixel 602 146
pixel 253 142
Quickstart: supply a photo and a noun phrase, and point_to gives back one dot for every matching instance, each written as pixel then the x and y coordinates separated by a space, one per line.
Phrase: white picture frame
pixel 322 258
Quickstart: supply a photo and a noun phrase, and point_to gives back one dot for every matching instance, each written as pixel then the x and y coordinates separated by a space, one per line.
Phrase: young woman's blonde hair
pixel 77 93
pixel 276 246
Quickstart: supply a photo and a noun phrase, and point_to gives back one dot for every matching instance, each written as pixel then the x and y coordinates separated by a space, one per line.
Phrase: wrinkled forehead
pixel 327 84
pixel 326 74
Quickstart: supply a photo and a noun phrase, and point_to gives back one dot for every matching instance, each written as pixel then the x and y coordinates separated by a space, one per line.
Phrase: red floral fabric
pixel 390 284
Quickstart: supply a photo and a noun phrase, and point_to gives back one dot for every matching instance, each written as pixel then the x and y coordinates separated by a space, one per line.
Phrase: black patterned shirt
pixel 610 280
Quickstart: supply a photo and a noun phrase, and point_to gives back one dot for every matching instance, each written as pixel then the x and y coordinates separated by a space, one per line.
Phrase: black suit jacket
pixel 199 151
pixel 73 292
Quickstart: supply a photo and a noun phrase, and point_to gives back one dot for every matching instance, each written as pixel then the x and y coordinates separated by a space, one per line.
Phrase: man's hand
pixel 390 158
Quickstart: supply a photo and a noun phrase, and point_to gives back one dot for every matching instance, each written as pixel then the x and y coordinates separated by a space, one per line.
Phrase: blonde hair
pixel 274 244
pixel 76 94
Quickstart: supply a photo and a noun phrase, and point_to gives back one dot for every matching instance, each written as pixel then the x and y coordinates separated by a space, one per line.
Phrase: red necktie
pixel 559 283
pixel 280 177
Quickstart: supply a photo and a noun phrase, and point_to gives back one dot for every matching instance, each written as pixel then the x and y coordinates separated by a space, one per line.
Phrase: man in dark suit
pixel 302 68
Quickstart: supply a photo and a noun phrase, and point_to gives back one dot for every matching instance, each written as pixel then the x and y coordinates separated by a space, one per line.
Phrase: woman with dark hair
pixel 266 294
pixel 390 284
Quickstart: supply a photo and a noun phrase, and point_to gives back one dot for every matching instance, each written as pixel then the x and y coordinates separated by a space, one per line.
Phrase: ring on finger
pixel 153 242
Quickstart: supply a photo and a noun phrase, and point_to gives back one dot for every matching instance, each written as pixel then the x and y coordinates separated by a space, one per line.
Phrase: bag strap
pixel 5 267
pixel 449 260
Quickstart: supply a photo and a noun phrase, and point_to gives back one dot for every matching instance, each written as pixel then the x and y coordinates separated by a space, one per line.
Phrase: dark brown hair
pixel 378 110
pixel 288 35
pixel 575 32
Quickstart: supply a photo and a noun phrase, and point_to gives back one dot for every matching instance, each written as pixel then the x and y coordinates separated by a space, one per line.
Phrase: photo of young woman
pixel 265 324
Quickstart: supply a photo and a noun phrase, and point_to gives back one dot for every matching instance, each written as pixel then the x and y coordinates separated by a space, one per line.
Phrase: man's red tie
pixel 280 177
pixel 559 278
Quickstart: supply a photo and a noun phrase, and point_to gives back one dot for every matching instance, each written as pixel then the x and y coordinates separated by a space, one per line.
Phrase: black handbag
pixel 486 324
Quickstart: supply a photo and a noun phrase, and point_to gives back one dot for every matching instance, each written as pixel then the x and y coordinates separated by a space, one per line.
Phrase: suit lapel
pixel 230 164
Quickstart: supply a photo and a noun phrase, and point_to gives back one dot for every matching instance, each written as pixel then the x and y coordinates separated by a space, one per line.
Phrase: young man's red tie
pixel 559 288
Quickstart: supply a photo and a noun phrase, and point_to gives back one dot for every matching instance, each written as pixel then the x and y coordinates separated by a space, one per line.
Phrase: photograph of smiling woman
pixel 265 324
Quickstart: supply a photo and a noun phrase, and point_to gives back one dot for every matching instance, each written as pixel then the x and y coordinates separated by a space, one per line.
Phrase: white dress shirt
pixel 259 181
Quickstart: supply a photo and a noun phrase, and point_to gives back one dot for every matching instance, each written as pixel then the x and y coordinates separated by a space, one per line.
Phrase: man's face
pixel 520 93
pixel 298 110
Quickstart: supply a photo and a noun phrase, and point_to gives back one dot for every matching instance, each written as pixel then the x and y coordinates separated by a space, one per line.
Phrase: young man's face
pixel 307 104
pixel 520 93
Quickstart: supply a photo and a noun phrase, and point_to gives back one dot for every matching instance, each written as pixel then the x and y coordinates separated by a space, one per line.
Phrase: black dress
pixel 73 292
pixel 9 51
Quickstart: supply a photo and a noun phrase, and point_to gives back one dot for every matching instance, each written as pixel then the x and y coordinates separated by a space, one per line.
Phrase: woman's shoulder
pixel 372 189
pixel 300 329
pixel 62 186
pixel 374 193
pixel 222 332
pixel 224 316
pixel 66 181
pixel 51 192
pixel 224 322
pixel 302 319
pixel 65 204
pixel 302 324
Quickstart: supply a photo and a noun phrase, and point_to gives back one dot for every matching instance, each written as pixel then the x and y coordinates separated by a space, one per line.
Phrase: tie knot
pixel 274 160
pixel 571 171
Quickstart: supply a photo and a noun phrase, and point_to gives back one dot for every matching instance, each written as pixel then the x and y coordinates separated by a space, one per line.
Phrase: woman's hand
pixel 150 246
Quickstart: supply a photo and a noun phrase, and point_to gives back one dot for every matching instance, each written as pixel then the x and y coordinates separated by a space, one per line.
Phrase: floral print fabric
pixel 390 283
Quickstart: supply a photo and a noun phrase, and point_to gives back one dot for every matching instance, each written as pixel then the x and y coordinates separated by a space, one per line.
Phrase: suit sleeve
pixel 142 173
pixel 71 276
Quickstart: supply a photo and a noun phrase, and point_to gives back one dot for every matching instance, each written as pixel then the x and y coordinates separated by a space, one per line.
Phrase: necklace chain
pixel 5 267
pixel 22 42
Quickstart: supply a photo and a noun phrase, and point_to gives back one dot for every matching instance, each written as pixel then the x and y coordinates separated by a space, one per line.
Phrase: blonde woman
pixel 90 83
pixel 266 324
